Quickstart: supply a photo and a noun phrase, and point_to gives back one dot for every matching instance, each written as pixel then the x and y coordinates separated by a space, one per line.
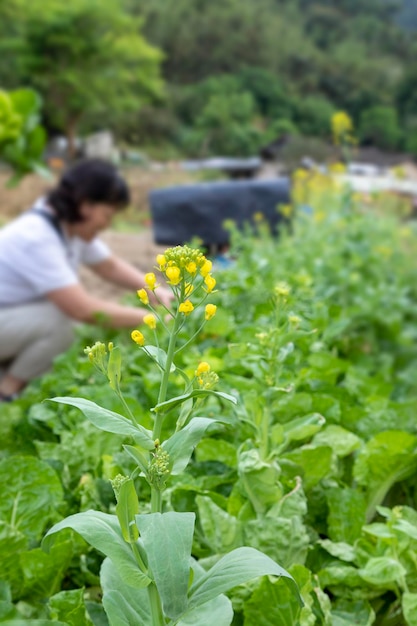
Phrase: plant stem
pixel 155 605
pixel 156 500
pixel 165 377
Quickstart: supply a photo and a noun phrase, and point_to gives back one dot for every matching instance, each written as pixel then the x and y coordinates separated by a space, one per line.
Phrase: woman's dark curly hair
pixel 91 180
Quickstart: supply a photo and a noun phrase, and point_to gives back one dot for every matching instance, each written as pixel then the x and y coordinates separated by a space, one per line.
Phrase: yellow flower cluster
pixel 205 377
pixel 342 128
pixel 186 270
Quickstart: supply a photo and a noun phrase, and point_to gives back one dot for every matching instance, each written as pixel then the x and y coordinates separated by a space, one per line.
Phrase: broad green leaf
pixel 124 605
pixel 168 538
pixel 349 612
pixel 382 571
pixel 138 457
pixel 163 407
pixel 43 572
pixel 222 531
pixel 315 461
pixel 181 444
pixel 342 441
pixel 12 543
pixel 114 368
pixel 102 531
pixel 340 550
pixel 284 539
pixel 387 458
pixel 69 606
pixel 110 421
pixel 126 508
pixel 160 356
pixel 217 450
pixel 409 606
pixel 273 603
pixel 31 494
pixel 234 569
pixel 259 480
pixel 218 611
pixel 303 427
pixel 347 513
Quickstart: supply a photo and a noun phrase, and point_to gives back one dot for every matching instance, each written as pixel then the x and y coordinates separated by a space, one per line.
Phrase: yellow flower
pixel 210 283
pixel 150 320
pixel 161 260
pixel 202 368
pixel 191 267
pixel 294 320
pixel 282 289
pixel 188 289
pixel 173 274
pixel 186 307
pixel 206 267
pixel 143 296
pixel 150 280
pixel 210 311
pixel 138 337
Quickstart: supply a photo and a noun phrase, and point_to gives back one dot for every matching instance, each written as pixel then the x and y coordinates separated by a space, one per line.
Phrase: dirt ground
pixel 133 237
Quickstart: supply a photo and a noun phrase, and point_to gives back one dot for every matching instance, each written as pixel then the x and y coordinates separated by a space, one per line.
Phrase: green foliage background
pixel 231 77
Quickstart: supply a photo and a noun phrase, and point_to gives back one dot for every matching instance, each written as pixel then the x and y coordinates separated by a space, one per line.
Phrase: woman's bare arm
pixel 79 305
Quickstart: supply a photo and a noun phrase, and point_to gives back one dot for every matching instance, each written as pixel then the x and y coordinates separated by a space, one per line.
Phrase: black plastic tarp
pixel 182 213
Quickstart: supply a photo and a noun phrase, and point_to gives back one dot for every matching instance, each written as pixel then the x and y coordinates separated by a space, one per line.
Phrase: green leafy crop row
pixel 315 465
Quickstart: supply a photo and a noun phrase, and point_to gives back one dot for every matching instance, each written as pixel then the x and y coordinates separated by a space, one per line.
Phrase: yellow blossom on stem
pixel 202 368
pixel 210 283
pixel 206 267
pixel 173 274
pixel 143 296
pixel 150 320
pixel 138 337
pixel 191 267
pixel 282 289
pixel 150 280
pixel 188 289
pixel 186 307
pixel 210 311
pixel 161 260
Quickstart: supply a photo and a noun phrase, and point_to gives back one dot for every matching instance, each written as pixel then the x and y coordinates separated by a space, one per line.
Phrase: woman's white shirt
pixel 35 259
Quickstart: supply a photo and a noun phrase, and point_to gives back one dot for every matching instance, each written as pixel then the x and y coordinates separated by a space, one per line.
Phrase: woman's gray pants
pixel 31 336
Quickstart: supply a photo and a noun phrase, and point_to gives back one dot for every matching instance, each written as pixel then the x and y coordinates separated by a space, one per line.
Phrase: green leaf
pixel 217 450
pixel 387 458
pixel 114 368
pixel 167 538
pixel 222 531
pixel 31 493
pixel 163 407
pixel 123 604
pixel 340 550
pixel 349 612
pixel 102 531
pixel 315 461
pixel 181 444
pixel 382 571
pixel 409 606
pixel 137 456
pixel 126 508
pixel 234 569
pixel 69 606
pixel 218 611
pixel 272 603
pixel 342 441
pixel 303 427
pixel 110 421
pixel 347 513
pixel 260 480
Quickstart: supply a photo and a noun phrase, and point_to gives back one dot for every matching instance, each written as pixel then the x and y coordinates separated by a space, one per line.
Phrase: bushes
pixel 379 126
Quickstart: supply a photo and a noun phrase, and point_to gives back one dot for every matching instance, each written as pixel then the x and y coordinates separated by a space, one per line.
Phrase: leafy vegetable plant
pixel 149 575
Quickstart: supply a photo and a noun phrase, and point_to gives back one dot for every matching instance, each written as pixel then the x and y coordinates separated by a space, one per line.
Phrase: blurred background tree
pixel 156 72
